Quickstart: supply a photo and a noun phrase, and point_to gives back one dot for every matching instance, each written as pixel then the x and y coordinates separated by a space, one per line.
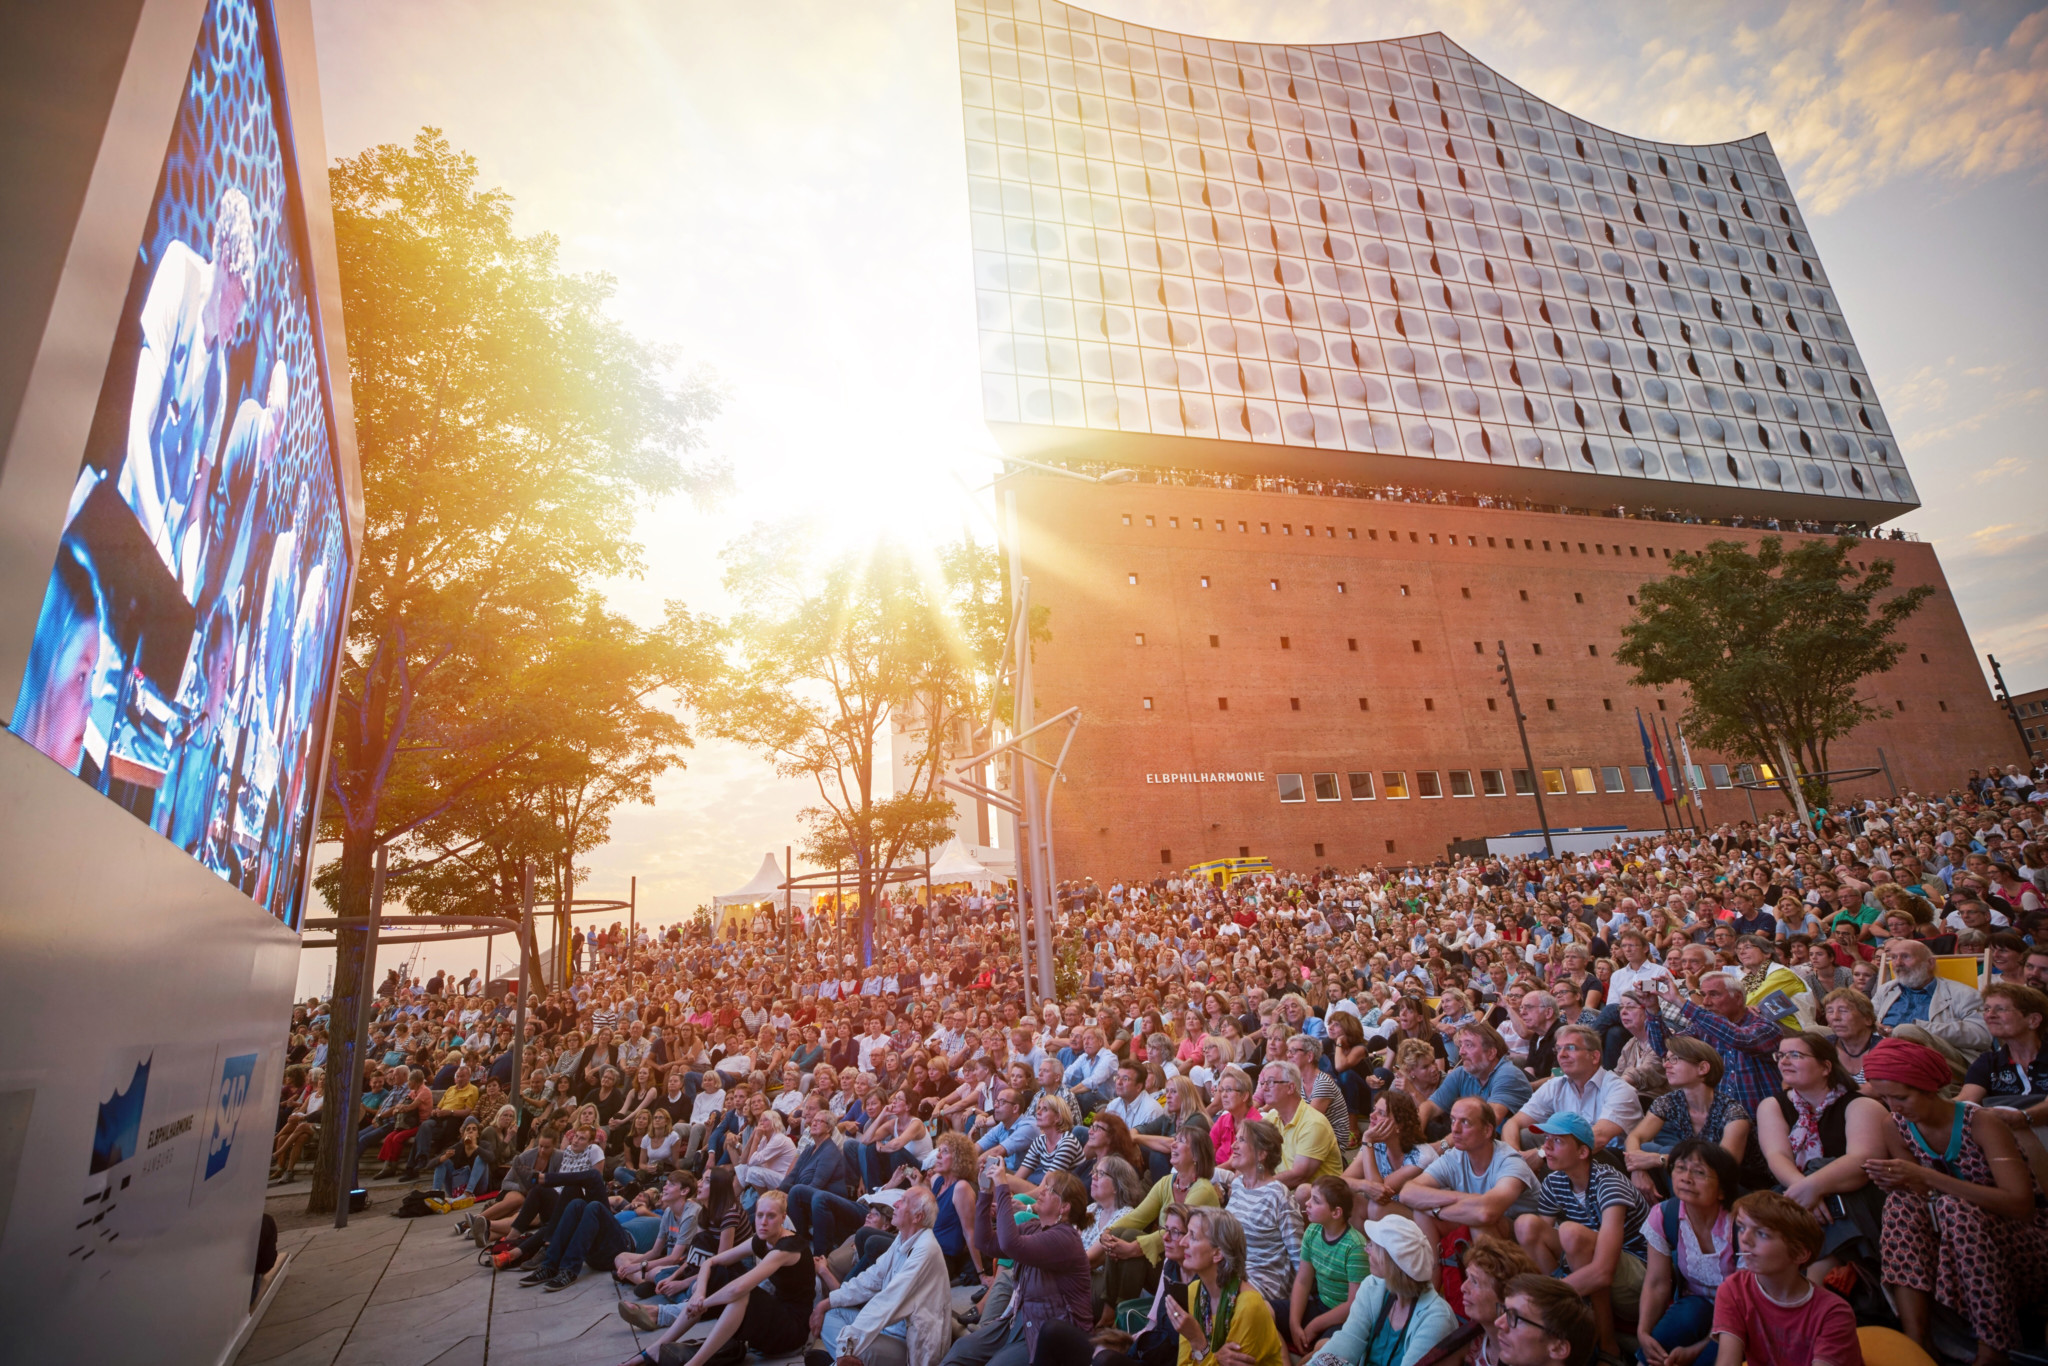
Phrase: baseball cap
pixel 1568 1125
pixel 1406 1244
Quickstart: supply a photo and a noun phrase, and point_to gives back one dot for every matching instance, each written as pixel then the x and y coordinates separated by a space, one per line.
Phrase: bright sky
pixel 779 190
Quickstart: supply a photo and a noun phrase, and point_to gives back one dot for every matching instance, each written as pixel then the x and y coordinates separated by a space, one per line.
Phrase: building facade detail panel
pixel 1386 249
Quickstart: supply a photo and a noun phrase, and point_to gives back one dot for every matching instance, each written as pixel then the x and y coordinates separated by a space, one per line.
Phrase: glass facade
pixel 1388 248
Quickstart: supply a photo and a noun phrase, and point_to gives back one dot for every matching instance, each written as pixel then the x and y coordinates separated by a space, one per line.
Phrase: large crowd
pixel 1770 1093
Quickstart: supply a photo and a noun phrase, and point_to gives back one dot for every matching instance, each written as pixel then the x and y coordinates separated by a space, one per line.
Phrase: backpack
pixel 1672 1214
pixel 415 1205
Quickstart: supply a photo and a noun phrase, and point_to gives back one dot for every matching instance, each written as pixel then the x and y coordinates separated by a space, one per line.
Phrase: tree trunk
pixel 353 980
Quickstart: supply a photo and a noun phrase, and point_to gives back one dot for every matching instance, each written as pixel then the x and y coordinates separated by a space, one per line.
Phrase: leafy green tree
pixel 822 659
pixel 1771 646
pixel 509 430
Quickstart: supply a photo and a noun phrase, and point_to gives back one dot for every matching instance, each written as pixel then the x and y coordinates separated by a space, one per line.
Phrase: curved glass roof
pixel 1387 248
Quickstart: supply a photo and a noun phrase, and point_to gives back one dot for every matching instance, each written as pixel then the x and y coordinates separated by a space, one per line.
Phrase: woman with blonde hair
pixel 1218 1310
pixel 1233 1106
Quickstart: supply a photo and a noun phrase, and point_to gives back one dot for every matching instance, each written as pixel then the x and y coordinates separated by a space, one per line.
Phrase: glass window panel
pixel 1610 779
pixel 1582 780
pixel 1461 782
pixel 1428 784
pixel 1553 782
pixel 1290 787
pixel 1525 783
pixel 1326 788
pixel 1490 782
pixel 1361 787
pixel 1395 783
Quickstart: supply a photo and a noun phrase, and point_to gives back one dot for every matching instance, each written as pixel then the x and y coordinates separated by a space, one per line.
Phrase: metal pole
pixel 1679 776
pixel 788 897
pixel 1507 673
pixel 1035 893
pixel 359 1031
pixel 632 925
pixel 2005 696
pixel 1886 765
pixel 519 999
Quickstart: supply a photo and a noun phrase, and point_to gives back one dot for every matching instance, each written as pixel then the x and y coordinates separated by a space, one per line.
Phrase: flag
pixel 1692 784
pixel 1658 784
pixel 1681 786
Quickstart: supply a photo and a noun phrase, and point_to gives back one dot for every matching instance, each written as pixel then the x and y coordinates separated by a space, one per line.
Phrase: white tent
pixel 766 886
pixel 955 864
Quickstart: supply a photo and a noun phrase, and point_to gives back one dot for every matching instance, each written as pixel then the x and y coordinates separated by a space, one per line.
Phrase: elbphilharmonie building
pixel 1379 371
pixel 1348 259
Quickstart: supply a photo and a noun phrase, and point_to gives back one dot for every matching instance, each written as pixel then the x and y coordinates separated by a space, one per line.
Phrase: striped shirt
pixel 1272 1236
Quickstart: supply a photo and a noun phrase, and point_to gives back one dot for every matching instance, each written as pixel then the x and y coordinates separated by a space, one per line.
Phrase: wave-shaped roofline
pixel 1448 41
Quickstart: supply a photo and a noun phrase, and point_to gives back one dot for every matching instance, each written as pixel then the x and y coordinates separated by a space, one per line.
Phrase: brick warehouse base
pixel 1217 640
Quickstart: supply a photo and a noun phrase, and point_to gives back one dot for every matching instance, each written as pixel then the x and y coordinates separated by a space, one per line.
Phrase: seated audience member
pixel 759 1307
pixel 1588 1223
pixel 1490 1264
pixel 1917 1004
pixel 1608 1104
pixel 1398 1316
pixel 899 1311
pixel 1333 1263
pixel 1818 1139
pixel 1543 1322
pixel 1483 1070
pixel 1308 1145
pixel 2011 1080
pixel 1963 1225
pixel 1265 1213
pixel 1691 1241
pixel 1392 1154
pixel 1225 1321
pixel 463 1168
pixel 1768 1311
pixel 673 1236
pixel 1052 1283
pixel 1852 1024
pixel 1694 1107
pixel 528 1170
pixel 1479 1183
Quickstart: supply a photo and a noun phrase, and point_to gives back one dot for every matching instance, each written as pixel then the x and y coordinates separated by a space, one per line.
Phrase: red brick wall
pixel 1420 585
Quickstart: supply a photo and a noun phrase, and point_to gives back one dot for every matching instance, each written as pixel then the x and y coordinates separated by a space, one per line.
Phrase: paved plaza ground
pixel 405 1292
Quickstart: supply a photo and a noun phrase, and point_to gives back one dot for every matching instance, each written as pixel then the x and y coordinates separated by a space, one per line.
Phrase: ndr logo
pixel 236 1076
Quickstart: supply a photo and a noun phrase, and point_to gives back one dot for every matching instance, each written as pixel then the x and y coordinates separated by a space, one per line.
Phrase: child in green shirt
pixel 1332 1266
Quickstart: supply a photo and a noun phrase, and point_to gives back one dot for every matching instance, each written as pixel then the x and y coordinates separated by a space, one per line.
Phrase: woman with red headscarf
pixel 1964 1225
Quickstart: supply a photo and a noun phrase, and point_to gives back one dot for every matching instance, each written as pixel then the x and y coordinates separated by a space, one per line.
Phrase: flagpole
pixel 1687 819
pixel 1650 758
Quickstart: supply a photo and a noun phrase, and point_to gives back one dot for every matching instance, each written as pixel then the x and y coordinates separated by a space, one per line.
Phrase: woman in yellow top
pixel 1225 1322
pixel 1763 976
pixel 1190 1182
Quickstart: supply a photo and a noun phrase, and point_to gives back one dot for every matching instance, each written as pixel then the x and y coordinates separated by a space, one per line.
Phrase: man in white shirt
pixel 1133 1105
pixel 1606 1102
pixel 899 1312
pixel 1092 1075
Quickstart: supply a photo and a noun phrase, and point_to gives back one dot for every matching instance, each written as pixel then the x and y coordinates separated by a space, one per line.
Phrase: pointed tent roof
pixel 765 886
pixel 955 864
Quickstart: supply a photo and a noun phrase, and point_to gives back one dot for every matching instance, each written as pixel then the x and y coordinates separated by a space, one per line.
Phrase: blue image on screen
pixel 185 649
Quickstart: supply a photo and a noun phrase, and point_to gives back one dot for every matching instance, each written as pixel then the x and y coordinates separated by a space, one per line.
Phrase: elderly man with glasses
pixel 1609 1105
pixel 1919 1005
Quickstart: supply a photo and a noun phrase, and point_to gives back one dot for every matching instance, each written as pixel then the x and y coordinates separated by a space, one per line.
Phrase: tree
pixel 821 660
pixel 1771 646
pixel 508 431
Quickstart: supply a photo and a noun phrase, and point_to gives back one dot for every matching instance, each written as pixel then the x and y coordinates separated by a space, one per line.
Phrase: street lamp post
pixel 1507 677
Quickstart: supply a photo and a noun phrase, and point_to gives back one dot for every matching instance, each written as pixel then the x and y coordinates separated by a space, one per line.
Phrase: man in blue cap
pixel 1588 1223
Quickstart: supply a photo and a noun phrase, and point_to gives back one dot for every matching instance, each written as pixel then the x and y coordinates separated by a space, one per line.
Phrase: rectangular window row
pixel 1414 537
pixel 1394 784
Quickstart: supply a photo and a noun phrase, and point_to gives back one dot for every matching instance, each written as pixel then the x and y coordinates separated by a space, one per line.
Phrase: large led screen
pixel 184 651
